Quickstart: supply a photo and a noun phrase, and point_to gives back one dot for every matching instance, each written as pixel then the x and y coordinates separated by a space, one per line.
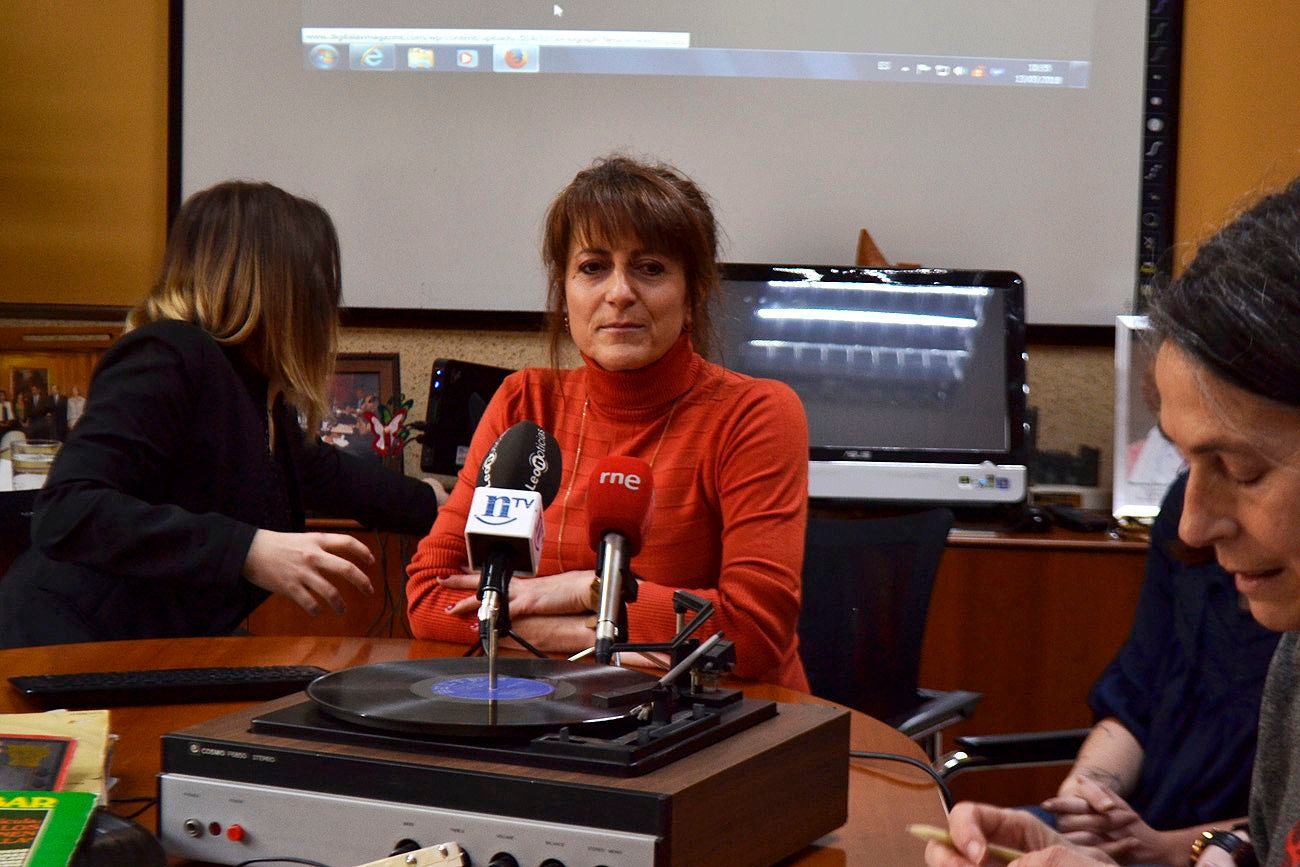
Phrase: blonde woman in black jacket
pixel 176 506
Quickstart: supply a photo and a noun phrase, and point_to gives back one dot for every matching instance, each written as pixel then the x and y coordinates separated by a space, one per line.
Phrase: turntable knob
pixel 503 859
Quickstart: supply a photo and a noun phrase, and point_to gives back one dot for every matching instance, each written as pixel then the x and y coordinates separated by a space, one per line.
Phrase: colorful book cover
pixel 42 829
pixel 34 761
pixel 86 766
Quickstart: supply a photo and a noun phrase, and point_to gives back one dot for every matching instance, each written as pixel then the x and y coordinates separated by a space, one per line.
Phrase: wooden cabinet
pixel 1030 621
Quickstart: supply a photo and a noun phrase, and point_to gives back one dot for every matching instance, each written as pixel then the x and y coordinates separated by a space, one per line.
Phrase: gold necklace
pixel 577 459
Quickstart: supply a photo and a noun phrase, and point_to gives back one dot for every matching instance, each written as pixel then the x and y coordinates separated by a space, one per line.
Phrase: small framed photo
pixel 362 394
pixel 45 376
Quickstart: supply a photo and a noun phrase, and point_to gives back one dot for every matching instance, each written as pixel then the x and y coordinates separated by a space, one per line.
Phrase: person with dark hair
pixel 631 256
pixel 1228 374
pixel 176 506
pixel 41 424
pixel 1171 754
pixel 59 412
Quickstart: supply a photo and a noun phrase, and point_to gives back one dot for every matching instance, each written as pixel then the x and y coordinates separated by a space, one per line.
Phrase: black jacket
pixel 152 504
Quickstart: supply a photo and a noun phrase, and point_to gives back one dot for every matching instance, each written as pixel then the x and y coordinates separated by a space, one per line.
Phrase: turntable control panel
pixel 198 814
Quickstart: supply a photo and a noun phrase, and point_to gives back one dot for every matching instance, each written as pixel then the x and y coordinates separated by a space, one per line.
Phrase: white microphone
pixel 519 478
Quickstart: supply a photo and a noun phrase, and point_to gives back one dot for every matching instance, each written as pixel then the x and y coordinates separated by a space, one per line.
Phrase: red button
pixel 235 832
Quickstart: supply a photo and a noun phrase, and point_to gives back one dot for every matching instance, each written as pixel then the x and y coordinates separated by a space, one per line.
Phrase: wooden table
pixel 883 796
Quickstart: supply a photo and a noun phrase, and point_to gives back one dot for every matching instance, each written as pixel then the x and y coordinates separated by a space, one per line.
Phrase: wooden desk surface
pixel 883 796
pixel 1054 539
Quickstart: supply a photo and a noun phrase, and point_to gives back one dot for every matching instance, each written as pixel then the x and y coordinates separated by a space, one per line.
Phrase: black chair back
pixel 866 595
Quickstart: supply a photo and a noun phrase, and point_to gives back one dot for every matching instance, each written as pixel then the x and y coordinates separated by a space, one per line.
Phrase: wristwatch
pixel 1240 850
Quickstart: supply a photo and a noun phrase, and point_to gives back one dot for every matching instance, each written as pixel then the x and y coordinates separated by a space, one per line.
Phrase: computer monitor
pixel 459 392
pixel 913 381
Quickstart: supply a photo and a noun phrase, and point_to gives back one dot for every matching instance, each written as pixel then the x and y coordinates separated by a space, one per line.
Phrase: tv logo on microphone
pixel 496 508
pixel 509 517
pixel 631 481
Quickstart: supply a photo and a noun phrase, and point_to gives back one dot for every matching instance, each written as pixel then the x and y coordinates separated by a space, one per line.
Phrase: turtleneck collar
pixel 647 390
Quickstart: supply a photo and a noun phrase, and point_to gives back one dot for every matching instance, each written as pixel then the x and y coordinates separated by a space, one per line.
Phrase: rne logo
pixel 631 481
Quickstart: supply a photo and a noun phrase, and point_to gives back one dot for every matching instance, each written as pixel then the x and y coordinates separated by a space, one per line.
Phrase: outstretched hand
pixel 305 567
pixel 974 826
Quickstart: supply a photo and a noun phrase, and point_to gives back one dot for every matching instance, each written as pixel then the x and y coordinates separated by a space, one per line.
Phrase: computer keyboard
pixel 164 685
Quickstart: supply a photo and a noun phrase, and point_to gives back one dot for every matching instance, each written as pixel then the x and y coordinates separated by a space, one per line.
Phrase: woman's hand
pixel 1095 816
pixel 555 633
pixel 1213 856
pixel 1088 811
pixel 304 566
pixel 565 593
pixel 974 826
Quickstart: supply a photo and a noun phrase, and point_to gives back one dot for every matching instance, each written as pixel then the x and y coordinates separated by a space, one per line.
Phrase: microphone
pixel 619 501
pixel 519 478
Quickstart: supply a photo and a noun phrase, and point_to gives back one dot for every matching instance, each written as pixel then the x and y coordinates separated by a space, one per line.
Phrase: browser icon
pixel 514 58
pixel 372 55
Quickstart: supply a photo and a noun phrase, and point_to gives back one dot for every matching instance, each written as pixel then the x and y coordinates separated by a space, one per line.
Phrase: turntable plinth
pixel 751 799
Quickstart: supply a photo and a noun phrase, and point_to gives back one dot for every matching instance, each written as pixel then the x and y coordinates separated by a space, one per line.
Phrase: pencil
pixel 939 835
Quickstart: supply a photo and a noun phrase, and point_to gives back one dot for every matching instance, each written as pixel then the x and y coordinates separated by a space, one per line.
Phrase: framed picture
pixel 45 377
pixel 363 384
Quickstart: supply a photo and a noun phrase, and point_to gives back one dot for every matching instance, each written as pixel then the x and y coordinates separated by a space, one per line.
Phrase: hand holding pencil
pixel 979 835
pixel 935 834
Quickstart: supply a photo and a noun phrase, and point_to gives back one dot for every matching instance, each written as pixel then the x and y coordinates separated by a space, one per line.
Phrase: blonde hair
pixel 256 268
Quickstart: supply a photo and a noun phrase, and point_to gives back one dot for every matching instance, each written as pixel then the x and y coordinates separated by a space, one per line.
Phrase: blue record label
pixel 475 688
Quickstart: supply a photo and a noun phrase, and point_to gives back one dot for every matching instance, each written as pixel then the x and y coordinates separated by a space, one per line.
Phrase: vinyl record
pixel 451 697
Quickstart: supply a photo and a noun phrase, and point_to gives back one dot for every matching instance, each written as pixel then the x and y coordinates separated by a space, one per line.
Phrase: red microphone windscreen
pixel 619 500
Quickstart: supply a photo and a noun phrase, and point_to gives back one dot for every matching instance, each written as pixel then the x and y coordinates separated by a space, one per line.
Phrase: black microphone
pixel 518 479
pixel 620 499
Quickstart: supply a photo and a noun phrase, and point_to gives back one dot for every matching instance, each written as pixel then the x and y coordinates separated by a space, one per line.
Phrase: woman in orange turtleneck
pixel 631 256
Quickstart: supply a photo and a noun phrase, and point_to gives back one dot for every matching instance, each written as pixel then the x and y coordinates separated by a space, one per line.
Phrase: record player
pixel 560 764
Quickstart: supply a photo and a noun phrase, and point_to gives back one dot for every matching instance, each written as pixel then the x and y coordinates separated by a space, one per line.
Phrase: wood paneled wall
pixel 83 159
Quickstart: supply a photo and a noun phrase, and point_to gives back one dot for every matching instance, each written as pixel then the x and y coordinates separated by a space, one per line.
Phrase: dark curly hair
pixel 1236 309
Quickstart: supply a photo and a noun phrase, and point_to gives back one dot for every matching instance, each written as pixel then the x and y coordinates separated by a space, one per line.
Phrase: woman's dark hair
pixel 618 197
pixel 1236 309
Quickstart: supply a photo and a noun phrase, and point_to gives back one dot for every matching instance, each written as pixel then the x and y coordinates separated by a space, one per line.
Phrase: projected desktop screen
pixel 890 365
pixel 961 134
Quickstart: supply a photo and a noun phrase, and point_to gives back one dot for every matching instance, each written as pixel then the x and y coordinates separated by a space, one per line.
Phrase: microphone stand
pixel 494 610
pixel 683 601
pixel 618 585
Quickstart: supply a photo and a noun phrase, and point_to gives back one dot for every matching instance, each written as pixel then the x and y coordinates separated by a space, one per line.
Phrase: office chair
pixel 1013 750
pixel 866 596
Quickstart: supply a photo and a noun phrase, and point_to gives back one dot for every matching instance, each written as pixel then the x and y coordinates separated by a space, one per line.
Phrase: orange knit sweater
pixel 730 461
